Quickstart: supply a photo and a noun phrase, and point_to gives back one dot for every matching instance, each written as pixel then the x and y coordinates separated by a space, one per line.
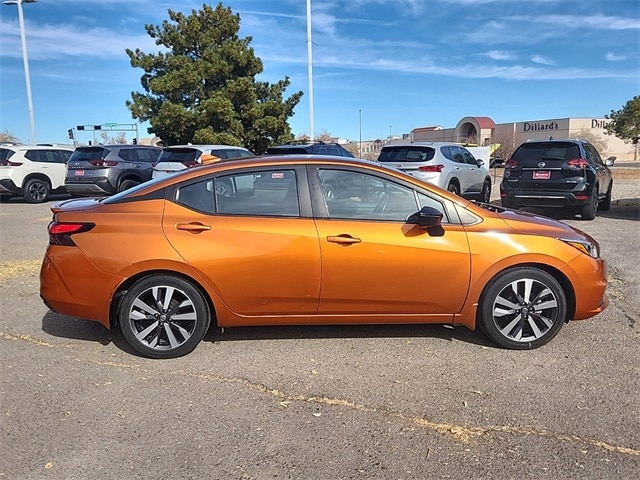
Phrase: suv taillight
pixel 60 233
pixel 578 163
pixel 7 163
pixel 511 163
pixel 431 168
pixel 190 164
pixel 102 163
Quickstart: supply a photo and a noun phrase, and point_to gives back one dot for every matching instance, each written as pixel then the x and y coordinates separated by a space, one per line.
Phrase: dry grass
pixel 19 268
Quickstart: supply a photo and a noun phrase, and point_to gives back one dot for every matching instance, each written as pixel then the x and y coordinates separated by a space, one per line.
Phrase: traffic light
pixel 70 133
pixel 134 141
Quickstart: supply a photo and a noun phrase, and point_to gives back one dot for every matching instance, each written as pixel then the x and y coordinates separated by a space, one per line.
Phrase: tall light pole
pixel 26 62
pixel 310 70
pixel 360 120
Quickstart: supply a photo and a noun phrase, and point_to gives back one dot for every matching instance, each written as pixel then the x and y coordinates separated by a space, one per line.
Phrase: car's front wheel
pixel 163 316
pixel 35 190
pixel 522 308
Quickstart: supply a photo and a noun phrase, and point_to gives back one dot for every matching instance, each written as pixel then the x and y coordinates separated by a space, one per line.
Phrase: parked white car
pixel 32 171
pixel 447 165
pixel 180 157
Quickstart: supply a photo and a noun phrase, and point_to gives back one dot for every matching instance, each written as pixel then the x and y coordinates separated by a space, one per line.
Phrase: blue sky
pixel 380 66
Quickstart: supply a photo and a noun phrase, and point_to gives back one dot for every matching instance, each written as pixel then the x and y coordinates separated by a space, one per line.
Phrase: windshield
pixel 533 153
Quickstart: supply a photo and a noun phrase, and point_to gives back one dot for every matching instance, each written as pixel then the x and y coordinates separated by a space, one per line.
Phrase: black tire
pixel 485 194
pixel 127 184
pixel 454 188
pixel 163 316
pixel 36 190
pixel 522 308
pixel 605 203
pixel 588 210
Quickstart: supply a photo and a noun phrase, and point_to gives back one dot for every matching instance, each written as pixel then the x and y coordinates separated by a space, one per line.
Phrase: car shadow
pixel 63 326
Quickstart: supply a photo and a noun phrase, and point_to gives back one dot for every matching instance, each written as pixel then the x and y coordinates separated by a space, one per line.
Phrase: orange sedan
pixel 303 240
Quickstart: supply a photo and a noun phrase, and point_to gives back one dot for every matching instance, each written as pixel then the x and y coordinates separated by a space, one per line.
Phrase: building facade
pixel 484 131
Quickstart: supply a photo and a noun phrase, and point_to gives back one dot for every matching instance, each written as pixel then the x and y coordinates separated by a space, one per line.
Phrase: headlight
pixel 585 246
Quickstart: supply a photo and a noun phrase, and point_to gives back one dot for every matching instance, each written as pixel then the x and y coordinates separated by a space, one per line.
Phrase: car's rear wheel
pixel 35 190
pixel 454 188
pixel 163 316
pixel 605 204
pixel 485 195
pixel 127 184
pixel 588 211
pixel 523 308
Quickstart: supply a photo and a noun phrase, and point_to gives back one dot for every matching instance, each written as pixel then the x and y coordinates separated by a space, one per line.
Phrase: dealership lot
pixel 319 402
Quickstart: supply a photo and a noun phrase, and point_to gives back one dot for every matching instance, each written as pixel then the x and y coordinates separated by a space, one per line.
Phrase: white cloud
pixel 541 59
pixel 612 57
pixel 500 55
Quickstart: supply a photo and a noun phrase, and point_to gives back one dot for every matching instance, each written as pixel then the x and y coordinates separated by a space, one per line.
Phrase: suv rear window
pixel 406 154
pixel 179 155
pixel 89 153
pixel 530 154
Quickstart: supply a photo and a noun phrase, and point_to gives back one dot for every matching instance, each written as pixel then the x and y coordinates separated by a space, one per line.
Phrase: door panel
pixel 257 265
pixel 392 268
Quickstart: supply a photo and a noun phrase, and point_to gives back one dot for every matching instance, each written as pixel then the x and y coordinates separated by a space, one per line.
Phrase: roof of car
pixel 37 147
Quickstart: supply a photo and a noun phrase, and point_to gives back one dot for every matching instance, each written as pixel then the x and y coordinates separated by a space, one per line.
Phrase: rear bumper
pixel 96 186
pixel 7 186
pixel 543 198
pixel 85 293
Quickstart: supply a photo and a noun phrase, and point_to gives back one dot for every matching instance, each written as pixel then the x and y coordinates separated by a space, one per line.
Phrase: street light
pixel 26 62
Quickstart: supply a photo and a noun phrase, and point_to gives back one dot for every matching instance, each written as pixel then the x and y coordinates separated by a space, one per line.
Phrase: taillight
pixel 431 168
pixel 578 163
pixel 190 164
pixel 102 163
pixel 7 163
pixel 60 233
pixel 511 163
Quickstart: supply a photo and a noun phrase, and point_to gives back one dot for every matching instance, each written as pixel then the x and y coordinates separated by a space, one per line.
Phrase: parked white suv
pixel 33 171
pixel 447 165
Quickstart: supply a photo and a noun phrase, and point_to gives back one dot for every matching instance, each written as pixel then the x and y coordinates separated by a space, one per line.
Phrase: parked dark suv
pixel 108 169
pixel 558 173
pixel 318 148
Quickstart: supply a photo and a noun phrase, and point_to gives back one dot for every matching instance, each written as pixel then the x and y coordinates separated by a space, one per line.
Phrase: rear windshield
pixel 406 154
pixel 179 155
pixel 89 153
pixel 533 153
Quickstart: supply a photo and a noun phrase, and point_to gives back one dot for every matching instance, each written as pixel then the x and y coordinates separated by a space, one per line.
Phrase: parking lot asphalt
pixel 384 402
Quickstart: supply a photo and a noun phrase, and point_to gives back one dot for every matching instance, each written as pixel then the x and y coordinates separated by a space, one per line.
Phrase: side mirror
pixel 609 161
pixel 428 218
pixel 480 162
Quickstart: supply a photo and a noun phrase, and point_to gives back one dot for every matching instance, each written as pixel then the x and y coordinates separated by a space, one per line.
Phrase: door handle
pixel 194 227
pixel 343 239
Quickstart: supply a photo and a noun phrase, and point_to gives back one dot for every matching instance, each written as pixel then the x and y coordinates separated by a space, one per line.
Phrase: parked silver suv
pixel 447 165
pixel 107 169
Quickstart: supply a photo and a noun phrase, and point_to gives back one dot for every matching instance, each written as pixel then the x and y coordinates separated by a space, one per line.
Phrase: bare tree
pixel 597 141
pixel 8 137
pixel 119 139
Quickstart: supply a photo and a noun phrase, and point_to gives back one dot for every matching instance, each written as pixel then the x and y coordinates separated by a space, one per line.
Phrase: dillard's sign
pixel 545 126
pixel 539 127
